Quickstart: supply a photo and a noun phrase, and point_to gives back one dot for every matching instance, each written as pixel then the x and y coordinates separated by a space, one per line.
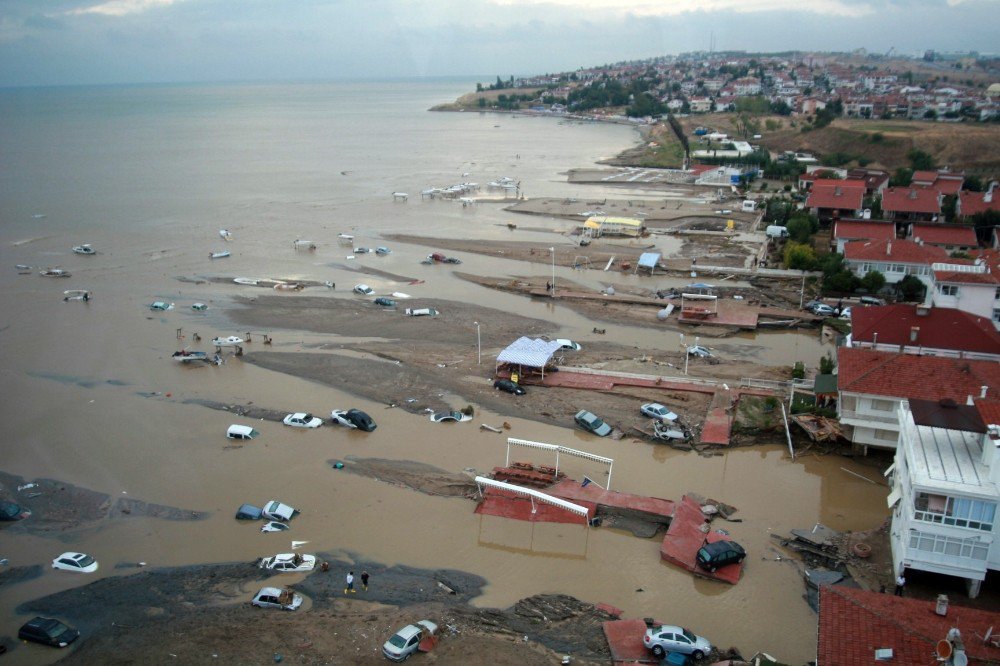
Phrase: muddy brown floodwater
pixel 95 402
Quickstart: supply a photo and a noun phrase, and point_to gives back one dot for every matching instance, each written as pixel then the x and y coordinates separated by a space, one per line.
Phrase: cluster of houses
pixel 806 83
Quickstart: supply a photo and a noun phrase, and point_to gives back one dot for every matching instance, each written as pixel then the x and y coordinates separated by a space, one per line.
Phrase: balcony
pixel 872 417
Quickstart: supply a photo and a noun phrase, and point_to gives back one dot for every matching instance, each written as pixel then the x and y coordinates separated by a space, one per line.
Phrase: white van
pixel 775 231
pixel 237 431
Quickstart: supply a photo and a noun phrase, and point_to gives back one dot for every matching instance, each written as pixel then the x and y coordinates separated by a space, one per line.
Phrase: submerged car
pixel 11 511
pixel 47 631
pixel 78 562
pixel 406 641
pixel 302 420
pixel 363 289
pixel 275 510
pixel 387 302
pixel 439 417
pixel 509 386
pixel 699 351
pixel 568 345
pixel 671 638
pixel 591 423
pixel 249 512
pixel 288 562
pixel 655 410
pixel 274 526
pixel 160 305
pixel 237 431
pixel 274 597
pixel 713 556
pixel 353 418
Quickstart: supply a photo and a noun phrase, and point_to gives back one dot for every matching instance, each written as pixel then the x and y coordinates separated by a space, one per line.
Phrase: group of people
pixel 350 582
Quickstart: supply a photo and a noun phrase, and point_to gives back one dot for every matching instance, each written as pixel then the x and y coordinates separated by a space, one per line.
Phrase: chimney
pixel 912 194
pixel 914 332
pixel 983 390
pixel 888 248
pixel 836 191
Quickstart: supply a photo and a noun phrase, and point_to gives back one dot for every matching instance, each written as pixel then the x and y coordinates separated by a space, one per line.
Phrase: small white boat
pixel 250 282
pixel 421 312
pixel 399 294
pixel 22 267
pixel 218 255
pixel 55 272
pixel 76 295
pixel 185 356
pixel 345 237
pixel 224 234
pixel 231 341
pixel 84 249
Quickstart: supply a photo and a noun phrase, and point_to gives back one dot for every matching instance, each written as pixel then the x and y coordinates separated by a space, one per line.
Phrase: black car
pixel 11 511
pixel 509 386
pixel 712 556
pixel 47 631
pixel 360 419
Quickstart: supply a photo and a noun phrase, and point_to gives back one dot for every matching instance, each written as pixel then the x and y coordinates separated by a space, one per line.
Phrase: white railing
pixel 868 416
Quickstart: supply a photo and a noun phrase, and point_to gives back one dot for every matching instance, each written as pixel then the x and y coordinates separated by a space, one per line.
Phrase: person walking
pixel 350 584
pixel 364 580
pixel 900 584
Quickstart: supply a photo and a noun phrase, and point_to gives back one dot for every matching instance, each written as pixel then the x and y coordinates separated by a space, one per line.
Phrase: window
pixel 996 314
pixel 883 405
pixel 955 511
pixel 942 545
pixel 996 296
pixel 948 289
pixel 886 435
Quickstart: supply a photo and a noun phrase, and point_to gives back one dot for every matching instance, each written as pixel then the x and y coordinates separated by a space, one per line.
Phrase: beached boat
pixel 55 272
pixel 250 282
pixel 76 295
pixel 185 356
pixel 84 249
pixel 218 255
pixel 231 341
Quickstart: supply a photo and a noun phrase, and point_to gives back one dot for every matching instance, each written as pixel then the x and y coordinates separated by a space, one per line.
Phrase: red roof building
pixel 895 259
pixel 949 236
pixel 875 179
pixel 879 373
pixel 930 331
pixel 911 203
pixel 836 198
pixel 971 203
pixel 945 182
pixel 845 231
pixel 853 623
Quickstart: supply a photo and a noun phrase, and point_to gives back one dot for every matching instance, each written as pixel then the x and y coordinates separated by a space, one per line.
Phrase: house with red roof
pixel 911 204
pixel 829 199
pixel 943 181
pixel 871 386
pixel 971 203
pixel 854 623
pixel 895 259
pixel 925 331
pixel 951 237
pixel 971 287
pixel 945 491
pixel 847 230
pixel 876 180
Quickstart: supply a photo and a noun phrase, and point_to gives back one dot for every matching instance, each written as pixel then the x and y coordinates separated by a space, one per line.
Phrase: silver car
pixel 671 638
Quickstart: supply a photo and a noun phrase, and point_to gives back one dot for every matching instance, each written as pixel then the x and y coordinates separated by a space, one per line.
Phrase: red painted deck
pixel 684 538
pixel 732 314
pixel 625 640
pixel 573 491
pixel 718 422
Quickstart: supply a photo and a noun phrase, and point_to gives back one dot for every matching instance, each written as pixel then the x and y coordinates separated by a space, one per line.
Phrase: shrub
pixel 799 256
pixel 799 370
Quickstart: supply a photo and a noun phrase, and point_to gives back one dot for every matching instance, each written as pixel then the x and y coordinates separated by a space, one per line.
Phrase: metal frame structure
pixel 514 441
pixel 533 495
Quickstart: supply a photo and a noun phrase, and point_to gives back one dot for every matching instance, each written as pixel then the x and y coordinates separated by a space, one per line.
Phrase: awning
pixel 890 470
pixel 649 260
pixel 893 497
pixel 532 353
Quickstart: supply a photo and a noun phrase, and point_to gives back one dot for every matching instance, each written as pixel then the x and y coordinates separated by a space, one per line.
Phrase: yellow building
pixel 612 226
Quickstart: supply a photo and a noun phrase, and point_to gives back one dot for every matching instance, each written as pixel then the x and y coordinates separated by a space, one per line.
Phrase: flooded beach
pixel 149 175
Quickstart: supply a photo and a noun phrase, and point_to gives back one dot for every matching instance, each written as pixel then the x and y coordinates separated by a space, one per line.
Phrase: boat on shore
pixel 231 341
pixel 218 255
pixel 76 295
pixel 84 249
pixel 185 356
pixel 55 272
pixel 250 282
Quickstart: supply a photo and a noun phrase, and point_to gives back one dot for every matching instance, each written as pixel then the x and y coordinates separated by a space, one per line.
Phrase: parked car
pixel 712 556
pixel 249 512
pixel 671 638
pixel 872 300
pixel 439 417
pixel 237 431
pixel 845 313
pixel 47 631
pixel 509 386
pixel 288 562
pixel 655 410
pixel 699 351
pixel 11 511
pixel 811 304
pixel 353 418
pixel 302 420
pixel 78 562
pixel 387 302
pixel 275 510
pixel 591 423
pixel 823 310
pixel 420 312
pixel 568 345
pixel 274 597
pixel 363 289
pixel 406 641
pixel 274 526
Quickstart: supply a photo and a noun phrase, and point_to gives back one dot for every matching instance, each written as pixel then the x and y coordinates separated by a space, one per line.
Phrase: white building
pixel 945 491
pixel 972 288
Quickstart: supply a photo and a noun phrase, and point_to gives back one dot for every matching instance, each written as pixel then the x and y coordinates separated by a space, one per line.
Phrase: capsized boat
pixel 185 356
pixel 218 255
pixel 231 341
pixel 84 249
pixel 76 295
pixel 55 272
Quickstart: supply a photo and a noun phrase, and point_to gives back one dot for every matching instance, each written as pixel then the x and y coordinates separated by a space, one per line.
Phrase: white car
pixel 288 562
pixel 78 562
pixel 237 431
pixel 275 510
pixel 568 345
pixel 363 289
pixel 405 641
pixel 845 313
pixel 655 410
pixel 670 638
pixel 302 420
pixel 699 351
pixel 274 526
pixel 274 597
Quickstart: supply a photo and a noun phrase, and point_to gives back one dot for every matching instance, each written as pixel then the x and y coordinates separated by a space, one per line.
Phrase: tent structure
pixel 649 261
pixel 612 226
pixel 528 352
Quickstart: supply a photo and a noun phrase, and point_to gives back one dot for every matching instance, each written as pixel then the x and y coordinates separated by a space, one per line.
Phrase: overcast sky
pixel 46 42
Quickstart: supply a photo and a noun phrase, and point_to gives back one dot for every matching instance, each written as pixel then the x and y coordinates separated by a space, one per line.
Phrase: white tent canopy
pixel 527 352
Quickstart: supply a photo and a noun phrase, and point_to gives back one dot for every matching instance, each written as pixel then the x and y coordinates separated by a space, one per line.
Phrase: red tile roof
pixel 840 194
pixel 855 230
pixel 958 277
pixel 911 376
pixel 896 251
pixel 854 623
pixel 970 203
pixel 945 234
pixel 943 182
pixel 940 328
pixel 989 410
pixel 911 200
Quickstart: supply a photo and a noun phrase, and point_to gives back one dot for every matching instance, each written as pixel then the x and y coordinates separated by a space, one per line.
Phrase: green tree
pixel 841 282
pixel 973 184
pixel 985 224
pixel 873 281
pixel 948 207
pixel 800 228
pixel 921 160
pixel 901 177
pixel 799 257
pixel 910 288
pixel 826 364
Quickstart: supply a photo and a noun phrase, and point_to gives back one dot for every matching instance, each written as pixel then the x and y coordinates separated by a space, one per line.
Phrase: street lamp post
pixel 479 343
pixel 687 352
pixel 553 251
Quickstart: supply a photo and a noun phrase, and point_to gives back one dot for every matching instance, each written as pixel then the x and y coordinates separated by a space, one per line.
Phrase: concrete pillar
pixel 973 586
